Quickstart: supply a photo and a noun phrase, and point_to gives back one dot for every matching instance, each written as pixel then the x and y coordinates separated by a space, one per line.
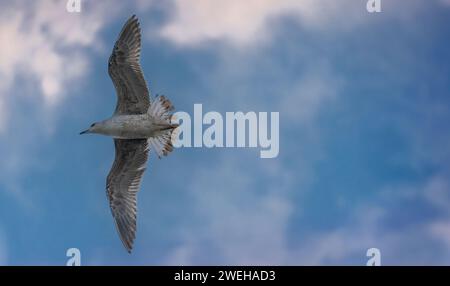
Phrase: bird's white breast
pixel 131 126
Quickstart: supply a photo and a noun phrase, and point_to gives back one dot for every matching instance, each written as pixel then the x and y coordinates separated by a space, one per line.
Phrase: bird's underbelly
pixel 133 127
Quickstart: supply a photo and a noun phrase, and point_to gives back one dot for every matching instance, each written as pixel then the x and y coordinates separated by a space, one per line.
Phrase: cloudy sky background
pixel 364 143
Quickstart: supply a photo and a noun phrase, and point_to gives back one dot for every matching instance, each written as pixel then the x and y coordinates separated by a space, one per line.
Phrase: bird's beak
pixel 84 132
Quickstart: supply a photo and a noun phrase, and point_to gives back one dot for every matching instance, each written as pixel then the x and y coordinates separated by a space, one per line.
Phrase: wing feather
pixel 123 184
pixel 133 96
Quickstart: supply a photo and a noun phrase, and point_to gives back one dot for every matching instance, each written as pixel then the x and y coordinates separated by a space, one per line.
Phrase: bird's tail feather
pixel 162 144
pixel 161 109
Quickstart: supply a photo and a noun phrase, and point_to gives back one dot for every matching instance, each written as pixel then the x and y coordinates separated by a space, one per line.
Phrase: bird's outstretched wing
pixel 123 183
pixel 126 73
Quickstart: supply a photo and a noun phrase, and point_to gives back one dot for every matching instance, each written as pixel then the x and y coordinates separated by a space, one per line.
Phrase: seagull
pixel 138 125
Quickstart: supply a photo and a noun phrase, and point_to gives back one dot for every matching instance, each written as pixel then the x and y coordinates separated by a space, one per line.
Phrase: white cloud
pixel 411 243
pixel 45 50
pixel 235 220
pixel 246 22
pixel 45 56
pixel 334 246
pixel 45 47
pixel 236 223
pixel 231 238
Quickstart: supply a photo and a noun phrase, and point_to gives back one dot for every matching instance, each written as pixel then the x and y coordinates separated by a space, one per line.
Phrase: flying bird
pixel 138 125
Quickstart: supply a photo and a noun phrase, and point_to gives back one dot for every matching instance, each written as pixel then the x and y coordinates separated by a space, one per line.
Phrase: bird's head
pixel 93 129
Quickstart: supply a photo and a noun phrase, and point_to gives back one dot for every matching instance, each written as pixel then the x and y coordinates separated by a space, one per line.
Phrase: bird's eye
pixel 92 124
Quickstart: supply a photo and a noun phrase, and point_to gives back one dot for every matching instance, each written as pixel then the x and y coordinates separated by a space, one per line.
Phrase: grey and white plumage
pixel 137 125
pixel 126 73
pixel 122 185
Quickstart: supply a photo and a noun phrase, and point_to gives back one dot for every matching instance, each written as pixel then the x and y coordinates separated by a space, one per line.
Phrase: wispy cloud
pixel 46 54
pixel 46 48
pixel 242 23
pixel 300 93
pixel 235 217
pixel 244 226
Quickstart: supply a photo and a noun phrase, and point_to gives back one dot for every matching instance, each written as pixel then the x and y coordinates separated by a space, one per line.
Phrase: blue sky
pixel 364 159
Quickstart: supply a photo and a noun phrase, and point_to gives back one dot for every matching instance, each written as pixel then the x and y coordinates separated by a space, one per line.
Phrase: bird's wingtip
pixel 128 245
